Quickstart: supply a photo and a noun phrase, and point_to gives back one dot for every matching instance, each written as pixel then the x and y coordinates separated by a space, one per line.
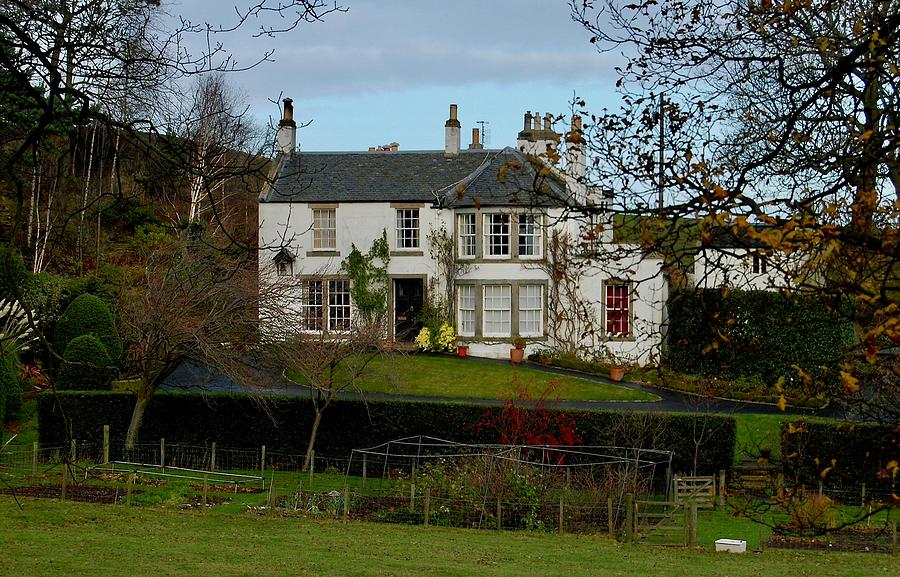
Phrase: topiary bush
pixel 10 390
pixel 86 366
pixel 88 315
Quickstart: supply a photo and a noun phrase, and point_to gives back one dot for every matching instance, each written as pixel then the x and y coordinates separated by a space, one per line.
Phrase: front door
pixel 409 293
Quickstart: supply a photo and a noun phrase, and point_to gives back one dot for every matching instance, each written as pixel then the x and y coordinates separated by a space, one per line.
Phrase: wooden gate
pixel 700 490
pixel 666 522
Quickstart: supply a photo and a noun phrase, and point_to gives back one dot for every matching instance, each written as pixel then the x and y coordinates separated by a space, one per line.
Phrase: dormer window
pixel 284 263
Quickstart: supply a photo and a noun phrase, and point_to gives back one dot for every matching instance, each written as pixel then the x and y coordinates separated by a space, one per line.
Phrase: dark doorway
pixel 409 293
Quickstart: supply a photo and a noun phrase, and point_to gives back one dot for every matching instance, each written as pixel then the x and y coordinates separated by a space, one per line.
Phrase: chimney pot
pixel 527 121
pixel 395 146
pixel 286 137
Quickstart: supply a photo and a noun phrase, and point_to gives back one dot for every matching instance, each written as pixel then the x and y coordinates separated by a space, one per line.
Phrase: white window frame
pixel 618 299
pixel 490 234
pixel 537 311
pixel 408 224
pixel 312 314
pixel 467 233
pixel 339 312
pixel 536 234
pixel 324 226
pixel 467 305
pixel 487 313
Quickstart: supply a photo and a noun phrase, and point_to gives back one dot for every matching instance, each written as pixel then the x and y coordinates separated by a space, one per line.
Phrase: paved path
pixel 193 377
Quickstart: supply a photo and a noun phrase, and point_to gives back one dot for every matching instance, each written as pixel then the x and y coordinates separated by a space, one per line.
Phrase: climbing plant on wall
pixel 369 278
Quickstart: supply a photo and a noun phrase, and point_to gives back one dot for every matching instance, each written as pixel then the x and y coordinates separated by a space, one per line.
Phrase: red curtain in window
pixel 617 310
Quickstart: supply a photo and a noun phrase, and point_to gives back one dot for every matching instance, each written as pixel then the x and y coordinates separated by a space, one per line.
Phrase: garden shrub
pixel 10 389
pixel 842 455
pixel 283 424
pixel 88 315
pixel 746 333
pixel 93 371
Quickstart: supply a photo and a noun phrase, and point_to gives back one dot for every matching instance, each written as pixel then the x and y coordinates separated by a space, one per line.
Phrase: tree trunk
pixel 137 417
pixel 312 438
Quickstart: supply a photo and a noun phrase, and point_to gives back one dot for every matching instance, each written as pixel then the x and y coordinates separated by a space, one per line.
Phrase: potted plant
pixel 462 350
pixel 517 353
pixel 618 363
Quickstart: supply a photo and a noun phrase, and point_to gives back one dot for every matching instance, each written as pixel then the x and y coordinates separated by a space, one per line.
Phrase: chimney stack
pixel 576 165
pixel 451 134
pixel 476 140
pixel 286 138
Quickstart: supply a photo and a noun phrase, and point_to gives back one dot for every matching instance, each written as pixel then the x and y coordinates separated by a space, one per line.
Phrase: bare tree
pixel 776 122
pixel 195 303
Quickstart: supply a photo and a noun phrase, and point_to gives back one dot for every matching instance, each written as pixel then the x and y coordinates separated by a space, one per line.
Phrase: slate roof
pixel 730 238
pixel 473 177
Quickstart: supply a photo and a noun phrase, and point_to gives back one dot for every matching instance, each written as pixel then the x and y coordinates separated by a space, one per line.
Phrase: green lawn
pixel 50 538
pixel 449 376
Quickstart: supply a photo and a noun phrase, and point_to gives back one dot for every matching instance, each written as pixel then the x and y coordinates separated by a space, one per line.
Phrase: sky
pixel 387 70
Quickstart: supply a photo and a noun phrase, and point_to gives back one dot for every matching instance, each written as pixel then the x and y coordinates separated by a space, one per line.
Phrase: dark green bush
pixel 13 274
pixel 842 455
pixel 88 315
pixel 10 389
pixel 86 366
pixel 239 421
pixel 746 333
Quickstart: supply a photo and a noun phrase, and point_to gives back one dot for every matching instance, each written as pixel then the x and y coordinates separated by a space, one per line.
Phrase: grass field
pixel 49 538
pixel 448 376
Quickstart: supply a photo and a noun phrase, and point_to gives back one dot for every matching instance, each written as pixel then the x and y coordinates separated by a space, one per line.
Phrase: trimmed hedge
pixel 852 453
pixel 96 374
pixel 239 421
pixel 764 334
pixel 88 315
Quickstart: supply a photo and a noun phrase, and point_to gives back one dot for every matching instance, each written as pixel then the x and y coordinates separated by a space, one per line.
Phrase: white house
pixel 742 258
pixel 506 211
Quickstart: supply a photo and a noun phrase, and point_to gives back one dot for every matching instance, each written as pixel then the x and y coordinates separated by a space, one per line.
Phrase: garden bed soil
pixel 852 539
pixel 226 488
pixel 83 493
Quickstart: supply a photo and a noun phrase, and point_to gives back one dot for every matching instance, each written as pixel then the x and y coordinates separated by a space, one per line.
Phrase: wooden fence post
pixel 693 522
pixel 427 505
pixel 212 458
pixel 162 454
pixel 62 491
pixel 561 518
pixel 105 444
pixel 412 497
pixel 499 515
pixel 205 490
pixel 893 535
pixel 262 466
pixel 365 463
pixel 721 488
pixel 629 517
pixel 312 468
pixel 34 459
pixel 130 487
pixel 73 452
pixel 610 520
pixel 862 500
pixel 346 502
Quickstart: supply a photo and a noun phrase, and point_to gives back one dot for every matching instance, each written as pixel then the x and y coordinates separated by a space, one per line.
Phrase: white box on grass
pixel 731 545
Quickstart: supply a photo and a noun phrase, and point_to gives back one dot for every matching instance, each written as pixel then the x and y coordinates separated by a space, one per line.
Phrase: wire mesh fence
pixel 414 481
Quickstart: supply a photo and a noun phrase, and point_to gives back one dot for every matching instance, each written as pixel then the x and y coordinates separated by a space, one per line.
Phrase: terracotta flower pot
pixel 516 356
pixel 617 373
pixel 462 351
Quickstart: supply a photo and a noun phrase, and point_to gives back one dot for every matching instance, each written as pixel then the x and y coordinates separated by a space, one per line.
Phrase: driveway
pixel 194 377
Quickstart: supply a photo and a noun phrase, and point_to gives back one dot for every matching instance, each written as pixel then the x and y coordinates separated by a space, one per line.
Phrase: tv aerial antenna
pixel 485 132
